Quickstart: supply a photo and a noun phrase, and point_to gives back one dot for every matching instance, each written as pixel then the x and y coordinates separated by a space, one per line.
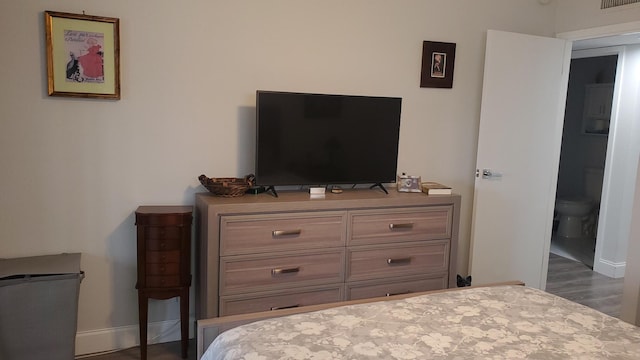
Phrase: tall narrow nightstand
pixel 164 263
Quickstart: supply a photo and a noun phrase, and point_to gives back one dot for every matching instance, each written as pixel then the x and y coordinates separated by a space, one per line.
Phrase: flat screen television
pixel 321 139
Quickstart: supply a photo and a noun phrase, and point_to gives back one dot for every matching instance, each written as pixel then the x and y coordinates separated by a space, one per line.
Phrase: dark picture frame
pixel 438 60
pixel 83 55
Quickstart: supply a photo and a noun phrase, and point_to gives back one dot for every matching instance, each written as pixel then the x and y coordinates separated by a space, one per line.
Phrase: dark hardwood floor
pixel 576 281
pixel 567 278
pixel 165 351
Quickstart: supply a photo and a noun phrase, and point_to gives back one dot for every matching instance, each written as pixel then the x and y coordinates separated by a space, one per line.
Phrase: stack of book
pixel 434 188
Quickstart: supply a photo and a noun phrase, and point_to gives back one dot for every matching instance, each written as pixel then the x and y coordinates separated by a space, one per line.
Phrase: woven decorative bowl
pixel 226 187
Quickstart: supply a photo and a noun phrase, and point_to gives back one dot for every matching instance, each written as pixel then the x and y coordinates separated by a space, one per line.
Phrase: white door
pixel 523 100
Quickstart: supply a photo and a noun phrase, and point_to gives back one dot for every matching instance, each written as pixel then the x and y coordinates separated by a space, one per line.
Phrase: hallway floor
pixel 579 249
pixel 575 281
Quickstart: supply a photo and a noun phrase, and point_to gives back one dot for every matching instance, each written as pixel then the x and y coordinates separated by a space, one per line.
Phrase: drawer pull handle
pixel 399 293
pixel 277 233
pixel 401 226
pixel 400 261
pixel 285 307
pixel 285 271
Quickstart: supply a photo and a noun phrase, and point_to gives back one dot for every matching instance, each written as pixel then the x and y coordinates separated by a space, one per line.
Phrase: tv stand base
pixel 380 186
pixel 271 189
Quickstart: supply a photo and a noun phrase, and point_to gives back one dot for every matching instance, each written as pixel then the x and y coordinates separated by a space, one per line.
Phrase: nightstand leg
pixel 142 314
pixel 184 320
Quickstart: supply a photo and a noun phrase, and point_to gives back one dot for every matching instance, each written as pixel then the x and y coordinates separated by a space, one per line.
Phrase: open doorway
pixel 614 221
pixel 583 156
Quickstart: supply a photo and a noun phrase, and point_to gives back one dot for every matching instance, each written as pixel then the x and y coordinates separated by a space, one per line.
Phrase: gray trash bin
pixel 39 306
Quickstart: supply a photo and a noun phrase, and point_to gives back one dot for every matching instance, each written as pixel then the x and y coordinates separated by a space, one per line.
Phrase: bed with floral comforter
pixel 504 322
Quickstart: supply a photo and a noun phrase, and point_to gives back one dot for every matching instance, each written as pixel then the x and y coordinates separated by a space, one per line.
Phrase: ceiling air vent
pixel 613 3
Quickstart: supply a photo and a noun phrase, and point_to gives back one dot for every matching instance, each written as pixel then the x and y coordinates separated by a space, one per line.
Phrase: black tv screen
pixel 320 139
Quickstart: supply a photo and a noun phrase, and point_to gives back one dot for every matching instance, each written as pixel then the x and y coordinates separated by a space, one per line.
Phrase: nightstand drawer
pixel 400 225
pixel 278 271
pixel 162 281
pixel 384 261
pixel 155 257
pixel 163 268
pixel 163 245
pixel 395 287
pixel 281 232
pixel 163 233
pixel 230 305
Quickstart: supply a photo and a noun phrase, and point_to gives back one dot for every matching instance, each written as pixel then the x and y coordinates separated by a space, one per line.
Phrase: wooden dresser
pixel 259 252
pixel 164 263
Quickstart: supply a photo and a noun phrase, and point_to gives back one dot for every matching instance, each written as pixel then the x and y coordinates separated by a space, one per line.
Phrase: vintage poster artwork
pixel 83 55
pixel 438 63
pixel 86 56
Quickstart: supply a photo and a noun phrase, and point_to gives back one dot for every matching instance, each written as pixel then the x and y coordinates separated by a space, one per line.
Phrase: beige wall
pixel 74 170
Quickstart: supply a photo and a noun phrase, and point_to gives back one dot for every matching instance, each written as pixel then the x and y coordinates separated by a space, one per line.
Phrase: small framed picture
pixel 83 55
pixel 438 60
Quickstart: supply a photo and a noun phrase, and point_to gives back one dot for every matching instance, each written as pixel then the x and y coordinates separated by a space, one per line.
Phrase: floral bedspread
pixel 506 322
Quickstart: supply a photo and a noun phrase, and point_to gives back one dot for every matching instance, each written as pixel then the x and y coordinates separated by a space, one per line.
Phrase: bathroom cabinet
pixel 598 101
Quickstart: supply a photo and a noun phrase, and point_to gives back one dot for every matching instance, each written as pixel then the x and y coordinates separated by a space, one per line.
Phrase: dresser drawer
pixel 163 244
pixel 400 225
pixel 395 287
pixel 163 232
pixel 383 261
pixel 277 271
pixel 281 232
pixel 162 281
pixel 163 268
pixel 172 256
pixel 230 305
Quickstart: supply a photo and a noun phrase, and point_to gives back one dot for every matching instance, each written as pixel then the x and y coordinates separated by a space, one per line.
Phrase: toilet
pixel 573 212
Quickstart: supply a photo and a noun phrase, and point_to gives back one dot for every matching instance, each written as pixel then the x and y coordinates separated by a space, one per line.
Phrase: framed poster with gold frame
pixel 83 55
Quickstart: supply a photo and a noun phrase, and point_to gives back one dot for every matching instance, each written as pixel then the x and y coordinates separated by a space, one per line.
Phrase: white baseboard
pixel 609 268
pixel 119 338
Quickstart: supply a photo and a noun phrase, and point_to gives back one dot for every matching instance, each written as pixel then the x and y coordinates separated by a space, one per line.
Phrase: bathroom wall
pixel 580 150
